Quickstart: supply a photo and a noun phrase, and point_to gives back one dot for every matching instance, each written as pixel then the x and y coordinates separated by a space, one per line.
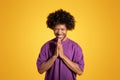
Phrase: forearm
pixel 46 65
pixel 73 66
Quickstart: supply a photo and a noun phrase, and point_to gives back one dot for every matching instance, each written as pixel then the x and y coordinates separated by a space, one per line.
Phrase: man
pixel 61 58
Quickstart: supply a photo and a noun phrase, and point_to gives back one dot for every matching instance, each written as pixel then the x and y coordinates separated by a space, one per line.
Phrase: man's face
pixel 60 31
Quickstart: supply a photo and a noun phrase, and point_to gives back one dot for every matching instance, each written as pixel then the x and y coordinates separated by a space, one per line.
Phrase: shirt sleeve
pixel 42 56
pixel 78 57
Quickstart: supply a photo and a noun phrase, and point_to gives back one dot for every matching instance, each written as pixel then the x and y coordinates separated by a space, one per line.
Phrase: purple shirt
pixel 59 70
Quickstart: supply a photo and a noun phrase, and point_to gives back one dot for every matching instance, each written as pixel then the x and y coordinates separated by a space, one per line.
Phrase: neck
pixel 64 39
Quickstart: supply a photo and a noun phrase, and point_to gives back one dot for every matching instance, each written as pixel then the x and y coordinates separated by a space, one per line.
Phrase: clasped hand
pixel 59 49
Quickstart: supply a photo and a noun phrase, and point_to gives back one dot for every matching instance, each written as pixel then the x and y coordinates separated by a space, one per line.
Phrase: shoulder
pixel 48 43
pixel 74 44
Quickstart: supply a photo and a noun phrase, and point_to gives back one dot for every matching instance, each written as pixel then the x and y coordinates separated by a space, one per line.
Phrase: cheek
pixel 55 32
pixel 63 33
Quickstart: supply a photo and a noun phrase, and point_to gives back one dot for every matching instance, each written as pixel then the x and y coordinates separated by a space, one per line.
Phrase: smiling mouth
pixel 60 37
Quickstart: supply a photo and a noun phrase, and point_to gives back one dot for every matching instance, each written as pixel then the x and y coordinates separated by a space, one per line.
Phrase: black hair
pixel 60 17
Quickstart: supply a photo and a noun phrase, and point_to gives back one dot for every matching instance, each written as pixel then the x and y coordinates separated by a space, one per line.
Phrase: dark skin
pixel 60 32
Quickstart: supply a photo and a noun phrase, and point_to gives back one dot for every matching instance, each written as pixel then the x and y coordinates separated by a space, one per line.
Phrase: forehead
pixel 60 26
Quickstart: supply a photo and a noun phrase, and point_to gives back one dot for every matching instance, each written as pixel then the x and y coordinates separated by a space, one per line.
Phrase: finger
pixel 59 41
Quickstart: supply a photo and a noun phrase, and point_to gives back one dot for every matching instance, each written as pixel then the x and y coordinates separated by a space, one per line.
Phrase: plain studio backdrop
pixel 23 31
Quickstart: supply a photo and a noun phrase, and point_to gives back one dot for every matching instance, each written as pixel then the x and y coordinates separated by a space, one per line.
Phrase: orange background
pixel 23 31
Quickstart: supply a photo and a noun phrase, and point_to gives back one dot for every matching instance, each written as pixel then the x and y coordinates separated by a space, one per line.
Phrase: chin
pixel 60 37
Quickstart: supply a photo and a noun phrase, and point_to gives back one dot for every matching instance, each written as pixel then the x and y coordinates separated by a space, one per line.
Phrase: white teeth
pixel 60 36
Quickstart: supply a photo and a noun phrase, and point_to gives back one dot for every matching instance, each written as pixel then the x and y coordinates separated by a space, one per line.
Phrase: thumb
pixel 59 41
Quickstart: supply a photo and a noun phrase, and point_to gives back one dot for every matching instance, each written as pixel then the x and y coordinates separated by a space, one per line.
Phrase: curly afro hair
pixel 60 17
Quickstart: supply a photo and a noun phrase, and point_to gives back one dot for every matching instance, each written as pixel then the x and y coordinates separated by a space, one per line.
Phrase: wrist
pixel 62 56
pixel 55 56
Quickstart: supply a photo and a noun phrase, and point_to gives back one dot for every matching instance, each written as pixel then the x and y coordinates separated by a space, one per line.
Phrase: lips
pixel 60 36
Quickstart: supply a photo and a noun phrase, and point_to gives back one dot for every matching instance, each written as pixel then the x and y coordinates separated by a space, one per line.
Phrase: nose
pixel 59 31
